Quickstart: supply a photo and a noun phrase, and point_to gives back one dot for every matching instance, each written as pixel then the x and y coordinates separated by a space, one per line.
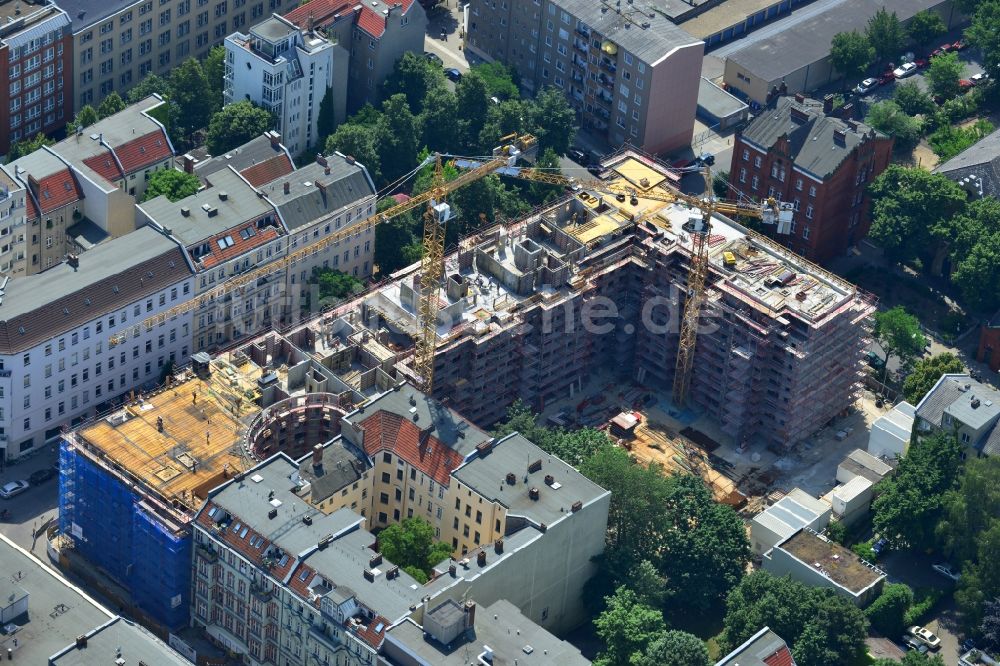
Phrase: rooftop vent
pixel 533 494
pixel 577 505
pixel 307 520
pixel 498 546
pixel 511 478
pixel 272 514
pixel 535 466
pixel 369 575
pixel 223 195
pixel 375 560
pixel 393 572
pixel 481 558
pixel 549 479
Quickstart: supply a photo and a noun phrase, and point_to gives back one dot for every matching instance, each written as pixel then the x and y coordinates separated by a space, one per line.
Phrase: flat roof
pixel 487 474
pixel 717 102
pixel 202 421
pixel 86 13
pixel 724 15
pixel 58 611
pixel 831 559
pixel 119 639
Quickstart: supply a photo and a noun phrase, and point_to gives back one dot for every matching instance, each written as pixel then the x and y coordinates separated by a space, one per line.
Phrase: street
pixel 30 509
pixel 444 35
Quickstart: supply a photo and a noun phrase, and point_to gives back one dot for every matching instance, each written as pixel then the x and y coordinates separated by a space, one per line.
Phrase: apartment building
pixel 961 405
pixel 801 153
pixel 375 33
pixel 287 71
pixel 259 161
pixel 225 229
pixel 117 43
pixel 631 74
pixel 58 362
pixel 35 51
pixel 13 212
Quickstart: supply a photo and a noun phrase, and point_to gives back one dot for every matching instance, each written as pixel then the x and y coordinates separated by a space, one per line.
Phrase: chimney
pixel 321 185
pixel 321 160
pixel 533 493
pixel 272 514
pixel 498 546
pixel 828 103
pixel 535 466
pixel 318 455
pixel 800 98
pixel 159 424
pixel 975 403
pixel 375 560
pixel 74 261
pixel 549 479
pixel 287 187
pixel 81 641
pixel 511 478
pixel 839 137
pixel 350 159
pixel 275 138
pixel 847 113
pixel 470 614
pixel 188 163
pixel 452 569
pixel 326 170
pixel 799 115
pixel 481 558
pixel 185 212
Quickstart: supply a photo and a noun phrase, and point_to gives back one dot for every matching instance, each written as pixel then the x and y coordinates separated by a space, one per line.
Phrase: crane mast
pixel 431 271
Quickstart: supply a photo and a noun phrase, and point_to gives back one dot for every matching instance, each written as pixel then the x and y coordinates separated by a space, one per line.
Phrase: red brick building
pixel 820 163
pixel 36 52
pixel 989 343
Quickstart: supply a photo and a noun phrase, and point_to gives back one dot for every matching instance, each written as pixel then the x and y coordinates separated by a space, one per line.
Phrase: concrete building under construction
pixel 531 309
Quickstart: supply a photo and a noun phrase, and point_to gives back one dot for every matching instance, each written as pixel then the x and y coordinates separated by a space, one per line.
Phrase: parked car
pixel 913 643
pixel 959 45
pixel 925 636
pixel 865 86
pixel 886 78
pixel 577 156
pixel 981 77
pixel 944 48
pixel 904 70
pixel 922 63
pixel 945 570
pixel 879 546
pixel 876 362
pixel 433 57
pixel 453 74
pixel 13 488
pixel 968 644
pixel 40 476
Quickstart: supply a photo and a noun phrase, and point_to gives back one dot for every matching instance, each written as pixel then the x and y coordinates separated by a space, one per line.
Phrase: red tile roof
pixel 268 170
pixel 56 190
pixel 32 208
pixel 371 21
pixel 239 246
pixel 143 151
pixel 105 165
pixel 783 657
pixel 387 431
pixel 242 545
pixel 368 633
pixel 320 11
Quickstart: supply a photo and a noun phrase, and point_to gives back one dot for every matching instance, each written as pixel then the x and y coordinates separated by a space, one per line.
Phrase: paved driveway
pixel 32 507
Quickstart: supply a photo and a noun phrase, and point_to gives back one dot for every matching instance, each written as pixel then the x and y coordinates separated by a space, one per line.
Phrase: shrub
pixel 925 599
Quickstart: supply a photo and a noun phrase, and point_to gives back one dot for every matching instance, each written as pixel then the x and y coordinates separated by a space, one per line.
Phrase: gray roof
pixel 113 275
pixel 811 140
pixel 972 403
pixel 982 160
pixel 717 102
pixel 86 13
pixel 251 153
pixel 342 465
pixel 273 29
pixel 242 204
pixel 649 44
pixel 931 407
pixel 501 626
pixel 58 612
pixel 808 41
pixel 977 407
pixel 119 638
pixel 313 193
pixel 486 474
pixel 116 130
pixel 39 164
pixel 762 645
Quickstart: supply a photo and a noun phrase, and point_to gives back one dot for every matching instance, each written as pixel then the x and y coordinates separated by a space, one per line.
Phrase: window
pixel 809 211
pixel 805 232
pixel 746 155
pixel 798 184
pixel 753 183
pixel 756 161
pixel 812 190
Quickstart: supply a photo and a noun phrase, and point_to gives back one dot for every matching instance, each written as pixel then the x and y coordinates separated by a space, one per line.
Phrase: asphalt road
pixel 34 506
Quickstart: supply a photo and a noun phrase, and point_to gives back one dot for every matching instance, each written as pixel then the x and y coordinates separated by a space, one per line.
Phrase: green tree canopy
pixel 396 138
pixel 28 146
pixel 236 124
pixel 473 103
pixel 357 141
pixel 984 32
pixel 85 117
pixel 413 76
pixel 500 80
pixel 898 333
pixel 886 34
pixel 911 99
pixel 925 26
pixel 214 66
pixel 978 273
pixel 326 121
pixel 553 121
pixel 912 209
pixel 851 53
pixel 334 284
pixel 411 546
pixel 944 73
pixel 980 580
pixel 110 105
pixel 190 90
pixel 627 627
pixel 889 118
pixel 171 183
pixel 909 503
pixel 674 648
pixel 970 509
pixel 437 120
pixel 989 628
pixel 824 629
pixel 887 614
pixel 912 658
pixel 149 85
pixel 573 446
pixel 926 372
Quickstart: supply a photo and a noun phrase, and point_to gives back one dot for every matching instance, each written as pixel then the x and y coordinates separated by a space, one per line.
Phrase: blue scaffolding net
pixel 115 530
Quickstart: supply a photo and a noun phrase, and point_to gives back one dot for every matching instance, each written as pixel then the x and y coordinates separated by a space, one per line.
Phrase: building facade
pixel 36 52
pixel 288 72
pixel 632 76
pixel 117 44
pixel 802 154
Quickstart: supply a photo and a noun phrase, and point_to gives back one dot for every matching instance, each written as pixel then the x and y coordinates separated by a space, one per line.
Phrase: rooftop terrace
pixel 833 560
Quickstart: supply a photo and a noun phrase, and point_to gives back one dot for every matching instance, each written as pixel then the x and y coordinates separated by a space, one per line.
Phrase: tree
pixel 627 627
pixel 898 333
pixel 502 119
pixel 396 138
pixel 970 509
pixel 943 75
pixel 887 613
pixel 413 76
pixel 909 503
pixel 984 33
pixel 110 105
pixel 411 546
pixel 437 120
pixel 335 284
pixel 989 628
pixel 357 141
pixel 912 210
pixel 149 85
pixel 851 53
pixel 192 93
pixel 236 124
pixel 887 117
pixel 824 629
pixel 978 274
pixel 326 122
pixel 552 120
pixel 926 372
pixel 472 105
pixel 28 146
pixel 214 66
pixel 886 34
pixel 912 658
pixel 500 80
pixel 980 581
pixel 674 648
pixel 648 584
pixel 85 117
pixel 572 446
pixel 171 183
pixel 925 26
pixel 538 193
pixel 911 99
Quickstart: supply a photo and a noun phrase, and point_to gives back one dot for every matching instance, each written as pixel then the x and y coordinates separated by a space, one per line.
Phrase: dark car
pixel 453 74
pixel 433 57
pixel 40 476
pixel 577 156
pixel 921 63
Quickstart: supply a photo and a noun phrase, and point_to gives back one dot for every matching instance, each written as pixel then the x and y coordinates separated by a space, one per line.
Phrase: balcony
pixel 207 552
pixel 580 45
pixel 608 65
pixel 258 590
